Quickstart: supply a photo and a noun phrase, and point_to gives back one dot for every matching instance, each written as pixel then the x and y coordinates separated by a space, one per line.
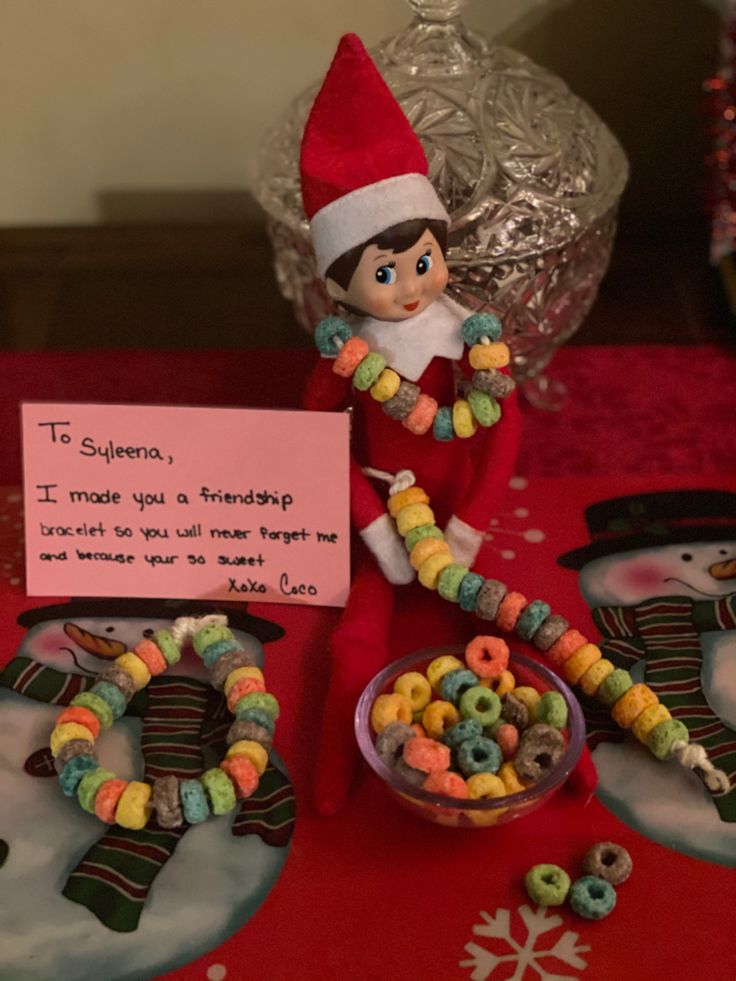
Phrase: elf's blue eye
pixel 386 275
pixel 424 264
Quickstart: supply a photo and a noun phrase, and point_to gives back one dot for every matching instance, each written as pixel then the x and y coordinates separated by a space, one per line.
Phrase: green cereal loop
pixel 613 687
pixel 213 633
pixel 662 736
pixel 164 640
pixel 258 700
pixel 417 534
pixel 368 371
pixel 88 700
pixel 448 585
pixel 547 885
pixel 90 784
pixel 592 898
pixel 485 408
pixel 219 790
pixel 112 695
pixel 481 704
pixel 552 710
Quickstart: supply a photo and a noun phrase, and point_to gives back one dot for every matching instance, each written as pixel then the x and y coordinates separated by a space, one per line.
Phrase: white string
pixel 185 628
pixel 694 757
pixel 398 481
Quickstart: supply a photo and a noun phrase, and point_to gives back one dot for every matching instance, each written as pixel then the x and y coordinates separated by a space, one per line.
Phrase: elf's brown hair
pixel 397 238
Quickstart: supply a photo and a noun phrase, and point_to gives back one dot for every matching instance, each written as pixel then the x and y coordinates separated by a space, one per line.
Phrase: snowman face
pixel 81 645
pixel 701 570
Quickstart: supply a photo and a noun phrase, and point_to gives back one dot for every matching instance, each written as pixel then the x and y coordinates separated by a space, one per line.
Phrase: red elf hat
pixel 362 167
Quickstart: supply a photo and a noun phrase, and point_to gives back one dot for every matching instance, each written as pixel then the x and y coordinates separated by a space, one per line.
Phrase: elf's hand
pixel 388 549
pixel 464 541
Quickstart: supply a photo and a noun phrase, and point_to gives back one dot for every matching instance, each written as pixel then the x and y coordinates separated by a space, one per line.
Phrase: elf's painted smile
pixel 394 286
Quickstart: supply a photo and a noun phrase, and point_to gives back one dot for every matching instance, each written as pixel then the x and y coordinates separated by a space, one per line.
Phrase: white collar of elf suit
pixel 409 345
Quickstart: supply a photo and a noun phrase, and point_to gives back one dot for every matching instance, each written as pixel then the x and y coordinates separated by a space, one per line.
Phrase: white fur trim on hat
pixel 358 216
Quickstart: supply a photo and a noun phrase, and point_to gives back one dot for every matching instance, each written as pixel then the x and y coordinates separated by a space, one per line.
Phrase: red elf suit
pixel 364 171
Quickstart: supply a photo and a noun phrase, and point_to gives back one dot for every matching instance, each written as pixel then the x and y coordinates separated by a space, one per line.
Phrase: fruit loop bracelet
pixel 632 706
pixel 130 803
pixel 403 400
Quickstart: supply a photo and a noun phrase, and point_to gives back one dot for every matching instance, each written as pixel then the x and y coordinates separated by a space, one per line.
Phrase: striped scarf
pixel 665 632
pixel 181 716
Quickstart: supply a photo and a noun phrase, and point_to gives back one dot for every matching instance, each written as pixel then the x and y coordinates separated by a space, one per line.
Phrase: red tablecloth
pixel 374 894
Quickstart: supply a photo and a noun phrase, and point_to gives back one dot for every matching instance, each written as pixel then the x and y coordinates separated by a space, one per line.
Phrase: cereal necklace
pixel 632 706
pixel 130 803
pixel 403 400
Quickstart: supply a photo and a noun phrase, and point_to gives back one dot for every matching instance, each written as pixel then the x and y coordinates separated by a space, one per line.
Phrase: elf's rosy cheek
pixel 638 578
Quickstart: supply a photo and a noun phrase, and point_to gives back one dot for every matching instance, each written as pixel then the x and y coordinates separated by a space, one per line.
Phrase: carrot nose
pixel 102 647
pixel 724 570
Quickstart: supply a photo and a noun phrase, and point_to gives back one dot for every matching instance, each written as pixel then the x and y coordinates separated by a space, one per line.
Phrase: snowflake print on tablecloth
pixel 511 524
pixel 525 958
pixel 11 536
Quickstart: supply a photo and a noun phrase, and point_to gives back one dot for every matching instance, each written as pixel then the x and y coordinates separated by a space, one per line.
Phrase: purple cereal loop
pixel 514 711
pixel 489 599
pixel 493 382
pixel 540 750
pixel 400 405
pixel 415 777
pixel 227 663
pixel 242 729
pixel 74 747
pixel 390 742
pixel 121 679
pixel 165 802
pixel 550 632
pixel 608 861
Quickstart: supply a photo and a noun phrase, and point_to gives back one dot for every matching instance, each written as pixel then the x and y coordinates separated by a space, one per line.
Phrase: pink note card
pixel 188 503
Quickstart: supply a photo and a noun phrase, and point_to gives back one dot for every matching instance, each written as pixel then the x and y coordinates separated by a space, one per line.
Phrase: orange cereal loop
pixel 648 719
pixel 349 357
pixel 447 783
pixel 243 775
pixel 106 799
pixel 438 717
pixel 427 755
pixel 631 704
pixel 419 729
pixel 430 569
pixel 426 547
pixel 422 415
pixel 569 642
pixel 83 716
pixel 487 656
pixel 243 686
pixel 595 676
pixel 578 663
pixel 390 708
pixel 412 495
pixel 151 656
pixel 441 666
pixel 508 611
pixel 248 671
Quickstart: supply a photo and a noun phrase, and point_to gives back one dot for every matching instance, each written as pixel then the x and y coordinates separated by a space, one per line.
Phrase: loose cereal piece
pixel 547 885
pixel 438 717
pixel 592 898
pixel 390 742
pixel 540 750
pixel 416 688
pixel 552 710
pixel 608 861
pixel 479 755
pixel 487 656
pixel 427 755
pixel 390 708
pixel 480 704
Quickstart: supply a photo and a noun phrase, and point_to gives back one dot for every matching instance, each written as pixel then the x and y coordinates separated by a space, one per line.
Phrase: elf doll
pixel 400 358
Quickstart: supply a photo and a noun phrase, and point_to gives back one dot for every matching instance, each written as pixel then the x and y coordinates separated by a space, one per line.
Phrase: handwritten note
pixel 190 503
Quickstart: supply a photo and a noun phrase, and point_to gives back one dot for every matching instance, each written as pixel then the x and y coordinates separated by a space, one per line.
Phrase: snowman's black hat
pixel 623 524
pixel 157 609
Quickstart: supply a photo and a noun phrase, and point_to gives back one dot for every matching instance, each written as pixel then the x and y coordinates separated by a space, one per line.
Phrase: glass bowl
pixel 450 811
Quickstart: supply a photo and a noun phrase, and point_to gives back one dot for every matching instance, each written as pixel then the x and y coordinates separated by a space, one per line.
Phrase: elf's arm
pixel 326 392
pixel 492 471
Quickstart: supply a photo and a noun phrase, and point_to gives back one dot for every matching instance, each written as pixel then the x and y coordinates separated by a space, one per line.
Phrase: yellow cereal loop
pixel 483 356
pixel 575 666
pixel 250 671
pixel 631 704
pixel 412 495
pixel 426 547
pixel 386 385
pixel 390 708
pixel 648 719
pixel 510 778
pixel 430 569
pixel 440 667
pixel 134 806
pixel 439 717
pixel 485 785
pixel 66 731
pixel 133 666
pixel 503 684
pixel 528 696
pixel 252 750
pixel 413 516
pixel 416 688
pixel 463 420
pixel 595 676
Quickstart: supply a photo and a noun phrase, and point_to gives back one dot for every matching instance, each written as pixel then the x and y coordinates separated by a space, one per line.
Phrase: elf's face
pixel 394 286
